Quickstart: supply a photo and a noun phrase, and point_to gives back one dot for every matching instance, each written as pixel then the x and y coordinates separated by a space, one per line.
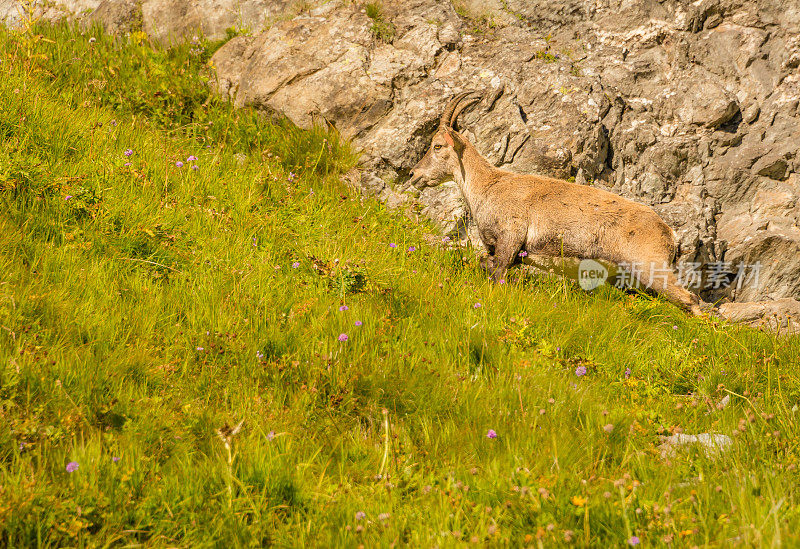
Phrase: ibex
pixel 547 216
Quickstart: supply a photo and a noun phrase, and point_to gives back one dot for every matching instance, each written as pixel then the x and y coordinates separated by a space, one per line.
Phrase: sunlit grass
pixel 148 309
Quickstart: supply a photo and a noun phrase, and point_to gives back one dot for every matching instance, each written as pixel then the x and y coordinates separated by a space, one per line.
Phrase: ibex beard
pixel 546 216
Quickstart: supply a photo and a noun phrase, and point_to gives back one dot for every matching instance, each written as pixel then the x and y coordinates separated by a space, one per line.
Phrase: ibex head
pixel 443 158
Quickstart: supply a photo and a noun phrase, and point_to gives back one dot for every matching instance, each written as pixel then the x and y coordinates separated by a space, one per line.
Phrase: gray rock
pixel 117 17
pixel 166 21
pixel 711 444
pixel 781 316
pixel 14 13
pixel 173 20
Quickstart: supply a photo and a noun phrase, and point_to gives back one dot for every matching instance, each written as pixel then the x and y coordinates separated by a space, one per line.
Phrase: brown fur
pixel 547 216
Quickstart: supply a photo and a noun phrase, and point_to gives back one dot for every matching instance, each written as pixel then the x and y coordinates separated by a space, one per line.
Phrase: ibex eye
pixel 437 147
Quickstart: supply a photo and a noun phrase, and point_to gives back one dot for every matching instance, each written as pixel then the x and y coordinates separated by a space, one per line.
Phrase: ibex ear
pixel 455 141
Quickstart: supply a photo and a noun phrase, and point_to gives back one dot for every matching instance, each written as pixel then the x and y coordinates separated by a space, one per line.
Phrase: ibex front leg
pixel 505 251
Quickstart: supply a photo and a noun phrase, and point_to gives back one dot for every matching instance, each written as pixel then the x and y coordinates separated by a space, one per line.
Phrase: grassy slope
pixel 158 304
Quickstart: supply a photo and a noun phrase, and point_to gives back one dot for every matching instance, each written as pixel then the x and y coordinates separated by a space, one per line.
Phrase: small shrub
pixel 482 23
pixel 381 28
pixel 546 55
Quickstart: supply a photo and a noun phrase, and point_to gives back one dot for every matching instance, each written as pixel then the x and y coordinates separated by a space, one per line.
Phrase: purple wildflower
pixel 195 167
pixel 412 249
pixel 523 253
pixel 72 466
pixel 446 239
pixel 127 164
pixel 115 459
pixel 259 355
pixel 358 323
pixel 627 373
pixel 392 245
pixel 128 152
pixel 200 349
pixel 343 308
pixel 634 541
pixel 491 434
pixel 477 306
pixel 68 197
pixel 360 515
pixel 179 164
pixel 343 337
pixel 292 176
pixel 675 327
pixel 192 158
pixel 271 435
pixel 22 445
pixel 580 371
pixel 295 265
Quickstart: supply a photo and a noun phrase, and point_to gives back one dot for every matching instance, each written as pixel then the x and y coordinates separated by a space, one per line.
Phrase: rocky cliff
pixel 691 107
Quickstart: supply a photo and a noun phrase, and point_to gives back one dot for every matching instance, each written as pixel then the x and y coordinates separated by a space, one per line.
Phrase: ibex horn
pixel 456 106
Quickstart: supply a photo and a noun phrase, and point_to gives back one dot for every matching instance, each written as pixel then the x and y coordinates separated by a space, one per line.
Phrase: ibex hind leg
pixel 683 298
pixel 666 284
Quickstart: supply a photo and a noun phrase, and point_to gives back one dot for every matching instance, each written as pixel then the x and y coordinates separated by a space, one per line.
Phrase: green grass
pixel 146 310
pixel 480 24
pixel 381 28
